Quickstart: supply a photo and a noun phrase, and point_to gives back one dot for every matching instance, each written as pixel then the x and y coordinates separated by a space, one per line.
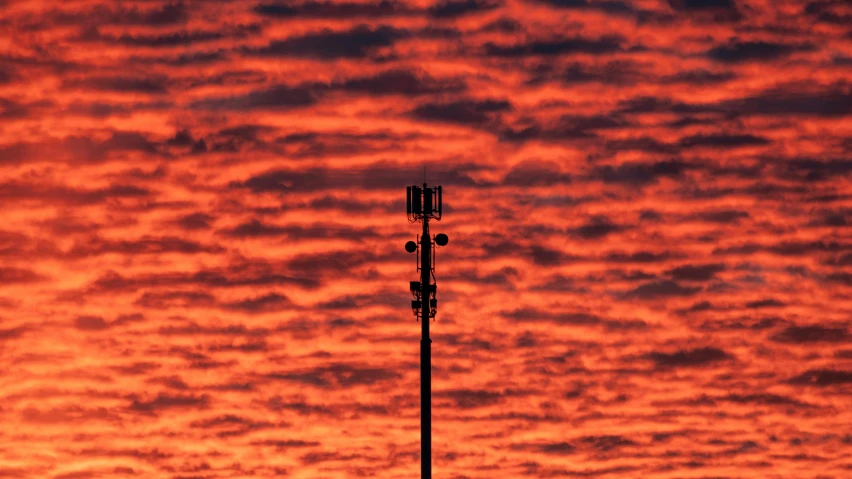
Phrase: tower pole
pixel 425 352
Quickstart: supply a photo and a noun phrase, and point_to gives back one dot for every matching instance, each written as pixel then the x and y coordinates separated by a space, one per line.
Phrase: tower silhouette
pixel 423 204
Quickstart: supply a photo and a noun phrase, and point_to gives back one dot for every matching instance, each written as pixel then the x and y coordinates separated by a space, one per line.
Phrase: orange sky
pixel 648 205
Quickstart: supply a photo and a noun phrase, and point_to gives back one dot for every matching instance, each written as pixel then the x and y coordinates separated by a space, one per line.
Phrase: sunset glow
pixel 648 204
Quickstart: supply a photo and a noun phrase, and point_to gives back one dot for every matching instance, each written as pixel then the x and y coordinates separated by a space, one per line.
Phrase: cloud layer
pixel 648 205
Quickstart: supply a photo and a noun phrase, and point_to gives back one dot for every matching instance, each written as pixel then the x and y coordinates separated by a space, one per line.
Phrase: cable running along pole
pixel 423 204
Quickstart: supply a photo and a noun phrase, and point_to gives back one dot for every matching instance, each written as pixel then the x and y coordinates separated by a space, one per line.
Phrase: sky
pixel 648 204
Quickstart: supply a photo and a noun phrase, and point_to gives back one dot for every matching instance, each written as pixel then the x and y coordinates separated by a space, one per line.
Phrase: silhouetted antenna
pixel 423 204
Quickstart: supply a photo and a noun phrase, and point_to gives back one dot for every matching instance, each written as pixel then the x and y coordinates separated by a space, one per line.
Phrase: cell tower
pixel 421 205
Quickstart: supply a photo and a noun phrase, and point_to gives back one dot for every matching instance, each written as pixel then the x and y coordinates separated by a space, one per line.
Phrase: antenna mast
pixel 421 205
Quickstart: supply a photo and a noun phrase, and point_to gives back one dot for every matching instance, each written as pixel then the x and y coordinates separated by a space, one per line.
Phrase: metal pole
pixel 425 351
